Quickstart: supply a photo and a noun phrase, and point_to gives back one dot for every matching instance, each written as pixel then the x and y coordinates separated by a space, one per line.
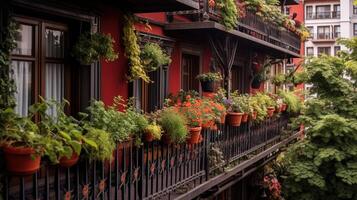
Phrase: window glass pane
pixel 54 84
pixel 24 40
pixel 23 80
pixel 54 43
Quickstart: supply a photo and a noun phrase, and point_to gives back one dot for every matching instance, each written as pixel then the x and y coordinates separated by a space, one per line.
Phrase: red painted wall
pixel 113 79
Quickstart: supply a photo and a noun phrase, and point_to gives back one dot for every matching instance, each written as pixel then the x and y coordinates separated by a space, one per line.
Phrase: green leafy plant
pixel 210 76
pixel 91 47
pixel 173 125
pixel 104 141
pixel 153 56
pixel 299 77
pixel 132 50
pixel 229 13
pixel 279 79
pixel 293 101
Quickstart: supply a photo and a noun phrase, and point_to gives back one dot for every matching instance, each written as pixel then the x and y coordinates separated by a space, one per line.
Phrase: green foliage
pixel 153 56
pixel 278 79
pixel 300 77
pixel 210 76
pixel 103 139
pixel 323 165
pixel 91 47
pixel 7 84
pixel 155 130
pixel 292 100
pixel 173 125
pixel 132 50
pixel 229 13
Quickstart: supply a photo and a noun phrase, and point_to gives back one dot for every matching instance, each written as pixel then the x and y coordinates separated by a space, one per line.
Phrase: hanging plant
pixel 229 13
pixel 153 56
pixel 91 47
pixel 132 51
pixel 7 84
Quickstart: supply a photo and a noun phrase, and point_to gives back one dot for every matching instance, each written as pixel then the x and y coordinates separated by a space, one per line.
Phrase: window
pixel 336 31
pixel 355 29
pixel 309 12
pixel 189 70
pixel 309 51
pixel 323 12
pixel 323 50
pixel 287 10
pixel 337 49
pixel 41 67
pixel 150 96
pixel 355 10
pixel 323 32
pixel 336 11
pixel 311 31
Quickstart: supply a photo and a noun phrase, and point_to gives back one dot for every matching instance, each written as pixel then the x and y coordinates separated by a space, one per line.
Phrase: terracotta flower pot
pixel 234 118
pixel 223 118
pixel 21 160
pixel 148 136
pixel 245 117
pixel 195 133
pixel 284 107
pixel 69 162
pixel 254 115
pixel 208 124
pixel 270 111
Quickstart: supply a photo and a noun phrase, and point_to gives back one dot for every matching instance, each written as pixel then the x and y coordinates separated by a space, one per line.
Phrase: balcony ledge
pixel 212 25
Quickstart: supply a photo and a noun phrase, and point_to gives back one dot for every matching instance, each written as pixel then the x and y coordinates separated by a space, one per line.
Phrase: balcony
pixel 324 37
pixel 139 6
pixel 158 170
pixel 251 30
pixel 323 15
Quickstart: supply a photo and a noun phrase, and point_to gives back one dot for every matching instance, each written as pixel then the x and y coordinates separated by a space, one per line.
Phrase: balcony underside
pixel 140 6
pixel 289 2
pixel 281 51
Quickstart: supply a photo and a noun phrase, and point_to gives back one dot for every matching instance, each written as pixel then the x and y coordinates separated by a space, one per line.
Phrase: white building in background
pixel 327 21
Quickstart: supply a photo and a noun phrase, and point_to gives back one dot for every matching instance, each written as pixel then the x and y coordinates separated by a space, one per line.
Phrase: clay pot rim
pixel 198 128
pixel 235 113
pixel 18 150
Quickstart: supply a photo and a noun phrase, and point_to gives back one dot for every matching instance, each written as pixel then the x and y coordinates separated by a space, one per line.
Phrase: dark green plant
pixel 7 84
pixel 210 76
pixel 300 77
pixel 104 141
pixel 173 125
pixel 323 165
pixel 293 101
pixel 91 47
pixel 153 57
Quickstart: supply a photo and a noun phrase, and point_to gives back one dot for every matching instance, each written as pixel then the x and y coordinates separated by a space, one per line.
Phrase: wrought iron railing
pixel 154 170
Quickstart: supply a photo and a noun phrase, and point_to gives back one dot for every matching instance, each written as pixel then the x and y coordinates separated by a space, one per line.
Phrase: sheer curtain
pixel 22 77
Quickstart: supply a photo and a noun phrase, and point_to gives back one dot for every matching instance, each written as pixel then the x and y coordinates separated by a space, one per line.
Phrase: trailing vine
pixel 132 50
pixel 7 84
pixel 229 13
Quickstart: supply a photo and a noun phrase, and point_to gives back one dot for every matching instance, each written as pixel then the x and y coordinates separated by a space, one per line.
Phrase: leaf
pixel 90 143
pixel 65 135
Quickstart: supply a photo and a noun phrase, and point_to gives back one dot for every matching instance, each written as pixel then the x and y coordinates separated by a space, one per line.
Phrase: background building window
pixel 311 31
pixel 337 49
pixel 323 32
pixel 336 11
pixel 309 12
pixel 323 12
pixel 287 10
pixel 355 29
pixel 309 51
pixel 189 70
pixel 355 10
pixel 337 31
pixel 323 50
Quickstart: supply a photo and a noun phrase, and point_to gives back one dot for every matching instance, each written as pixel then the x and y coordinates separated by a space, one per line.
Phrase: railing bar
pixel 35 185
pixel 77 181
pixel 130 170
pixel 58 183
pixel 94 179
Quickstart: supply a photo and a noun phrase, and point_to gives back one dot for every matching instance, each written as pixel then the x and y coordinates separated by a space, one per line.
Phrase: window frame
pixel 307 51
pixel 325 47
pixel 199 57
pixel 309 15
pixel 326 35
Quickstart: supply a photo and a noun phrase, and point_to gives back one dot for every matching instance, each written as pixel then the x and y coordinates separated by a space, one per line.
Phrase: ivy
pixel 7 84
pixel 132 50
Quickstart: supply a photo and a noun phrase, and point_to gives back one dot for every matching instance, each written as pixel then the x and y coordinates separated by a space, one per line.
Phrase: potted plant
pixel 235 113
pixel 291 101
pixel 220 98
pixel 153 57
pixel 208 79
pixel 299 78
pixel 245 106
pixel 278 79
pixel 22 144
pixel 152 132
pixel 64 134
pixel 90 47
pixel 173 125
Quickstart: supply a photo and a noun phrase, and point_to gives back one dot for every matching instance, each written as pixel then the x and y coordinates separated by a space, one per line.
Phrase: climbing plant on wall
pixel 132 50
pixel 7 84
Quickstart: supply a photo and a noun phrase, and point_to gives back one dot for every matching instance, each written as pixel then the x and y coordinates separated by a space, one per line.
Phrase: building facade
pixel 328 21
pixel 191 33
